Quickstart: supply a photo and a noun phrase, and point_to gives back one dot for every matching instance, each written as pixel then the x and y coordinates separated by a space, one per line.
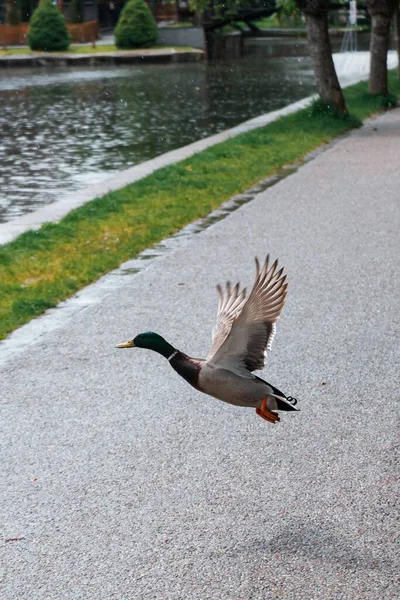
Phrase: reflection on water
pixel 63 129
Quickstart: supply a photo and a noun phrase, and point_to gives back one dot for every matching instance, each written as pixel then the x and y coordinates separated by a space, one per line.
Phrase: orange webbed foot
pixel 264 413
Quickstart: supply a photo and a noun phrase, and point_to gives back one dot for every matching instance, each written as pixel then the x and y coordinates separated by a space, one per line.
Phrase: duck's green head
pixel 150 341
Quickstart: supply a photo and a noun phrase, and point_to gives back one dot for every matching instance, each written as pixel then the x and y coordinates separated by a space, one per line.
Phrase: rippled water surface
pixel 65 128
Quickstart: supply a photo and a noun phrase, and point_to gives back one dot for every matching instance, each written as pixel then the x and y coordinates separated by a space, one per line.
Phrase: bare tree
pixel 13 12
pixel 381 12
pixel 326 80
pixel 397 28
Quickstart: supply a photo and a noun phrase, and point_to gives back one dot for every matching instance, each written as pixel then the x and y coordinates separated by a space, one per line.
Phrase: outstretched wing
pixel 230 303
pixel 252 330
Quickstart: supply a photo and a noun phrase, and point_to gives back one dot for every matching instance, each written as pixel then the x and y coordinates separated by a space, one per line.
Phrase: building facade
pixel 106 12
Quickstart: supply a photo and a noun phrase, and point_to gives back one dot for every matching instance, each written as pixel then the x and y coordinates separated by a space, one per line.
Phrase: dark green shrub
pixel 136 27
pixel 47 30
pixel 388 101
pixel 75 11
pixel 321 108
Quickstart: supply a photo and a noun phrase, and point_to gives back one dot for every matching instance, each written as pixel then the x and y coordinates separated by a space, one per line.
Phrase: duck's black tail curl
pixel 284 402
pixel 291 400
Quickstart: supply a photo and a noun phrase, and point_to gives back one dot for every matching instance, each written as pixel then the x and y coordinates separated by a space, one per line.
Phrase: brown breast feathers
pixel 186 367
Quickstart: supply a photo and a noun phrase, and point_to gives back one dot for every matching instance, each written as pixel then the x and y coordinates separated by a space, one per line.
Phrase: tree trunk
pixel 381 12
pixel 319 44
pixel 13 12
pixel 379 46
pixel 397 28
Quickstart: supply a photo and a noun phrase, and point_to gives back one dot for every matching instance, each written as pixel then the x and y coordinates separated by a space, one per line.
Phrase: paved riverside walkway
pixel 120 482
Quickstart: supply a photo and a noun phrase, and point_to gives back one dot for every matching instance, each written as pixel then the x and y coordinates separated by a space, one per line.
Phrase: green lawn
pixel 273 22
pixel 181 25
pixel 42 267
pixel 77 49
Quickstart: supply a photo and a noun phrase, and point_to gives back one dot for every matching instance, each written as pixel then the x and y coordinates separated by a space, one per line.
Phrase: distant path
pixel 121 482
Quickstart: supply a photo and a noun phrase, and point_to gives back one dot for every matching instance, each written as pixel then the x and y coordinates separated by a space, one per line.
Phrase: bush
pixel 136 27
pixel 47 30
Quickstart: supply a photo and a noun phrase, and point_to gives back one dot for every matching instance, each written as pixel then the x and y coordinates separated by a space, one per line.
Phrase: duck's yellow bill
pixel 129 344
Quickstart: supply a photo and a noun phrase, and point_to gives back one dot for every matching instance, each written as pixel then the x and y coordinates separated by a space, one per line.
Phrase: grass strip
pixel 40 268
pixel 79 49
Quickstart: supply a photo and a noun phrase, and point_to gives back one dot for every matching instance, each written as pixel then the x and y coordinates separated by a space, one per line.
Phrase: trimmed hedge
pixel 136 27
pixel 47 29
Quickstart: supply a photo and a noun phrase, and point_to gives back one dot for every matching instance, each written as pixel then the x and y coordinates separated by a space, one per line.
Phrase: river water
pixel 62 129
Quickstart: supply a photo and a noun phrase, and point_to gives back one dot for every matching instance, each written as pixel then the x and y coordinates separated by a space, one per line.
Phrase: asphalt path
pixel 120 482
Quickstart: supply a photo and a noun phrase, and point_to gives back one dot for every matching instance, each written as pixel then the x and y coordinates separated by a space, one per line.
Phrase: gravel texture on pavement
pixel 121 482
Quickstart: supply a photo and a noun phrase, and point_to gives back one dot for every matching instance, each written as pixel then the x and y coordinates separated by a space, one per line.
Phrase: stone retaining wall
pixel 101 58
pixel 182 36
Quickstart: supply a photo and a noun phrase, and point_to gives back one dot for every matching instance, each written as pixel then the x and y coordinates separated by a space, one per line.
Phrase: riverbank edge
pixel 293 32
pixel 55 211
pixel 118 57
pixel 40 269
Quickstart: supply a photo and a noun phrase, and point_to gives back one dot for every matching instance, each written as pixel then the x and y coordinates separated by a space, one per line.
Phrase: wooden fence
pixel 14 35
pixel 166 10
pixel 82 33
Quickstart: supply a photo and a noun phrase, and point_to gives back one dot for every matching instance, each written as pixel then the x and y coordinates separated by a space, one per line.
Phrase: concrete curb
pixel 102 58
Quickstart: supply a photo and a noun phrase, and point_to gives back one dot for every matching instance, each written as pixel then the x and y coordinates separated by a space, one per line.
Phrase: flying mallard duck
pixel 242 336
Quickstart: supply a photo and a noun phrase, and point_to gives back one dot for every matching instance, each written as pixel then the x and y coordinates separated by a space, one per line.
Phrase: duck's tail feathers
pixel 283 402
pixel 287 403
